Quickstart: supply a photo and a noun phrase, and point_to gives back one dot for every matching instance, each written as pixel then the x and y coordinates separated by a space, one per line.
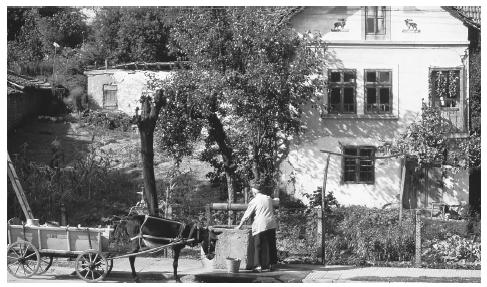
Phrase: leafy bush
pixel 454 249
pixel 297 233
pixel 89 190
pixel 107 120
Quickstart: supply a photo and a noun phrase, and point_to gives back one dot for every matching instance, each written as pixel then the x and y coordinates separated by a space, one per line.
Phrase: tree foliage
pixel 250 76
pixel 130 34
pixel 426 141
pixel 33 31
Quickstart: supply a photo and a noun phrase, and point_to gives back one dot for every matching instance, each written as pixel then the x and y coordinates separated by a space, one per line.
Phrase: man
pixel 263 230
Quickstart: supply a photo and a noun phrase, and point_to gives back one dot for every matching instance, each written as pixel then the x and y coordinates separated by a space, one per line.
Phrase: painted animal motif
pixel 148 232
pixel 411 25
pixel 338 26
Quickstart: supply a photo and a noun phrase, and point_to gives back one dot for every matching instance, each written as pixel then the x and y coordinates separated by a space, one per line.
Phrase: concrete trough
pixel 234 243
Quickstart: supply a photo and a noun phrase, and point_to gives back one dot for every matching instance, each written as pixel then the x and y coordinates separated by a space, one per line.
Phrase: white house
pixel 119 88
pixel 381 61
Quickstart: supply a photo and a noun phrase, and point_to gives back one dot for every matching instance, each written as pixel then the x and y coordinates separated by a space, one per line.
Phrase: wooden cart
pixel 31 250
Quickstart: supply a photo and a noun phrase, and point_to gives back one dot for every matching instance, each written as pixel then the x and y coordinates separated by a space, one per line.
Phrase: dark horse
pixel 147 232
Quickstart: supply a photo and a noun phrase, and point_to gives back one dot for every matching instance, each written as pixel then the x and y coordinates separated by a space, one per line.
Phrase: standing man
pixel 263 230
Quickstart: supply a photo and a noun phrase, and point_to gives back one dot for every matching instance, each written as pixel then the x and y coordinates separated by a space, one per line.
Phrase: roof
pixel 12 90
pixel 470 15
pixel 20 82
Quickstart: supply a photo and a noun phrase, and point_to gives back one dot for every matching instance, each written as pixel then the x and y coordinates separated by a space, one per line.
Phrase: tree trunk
pixel 217 133
pixel 146 123
pixel 147 155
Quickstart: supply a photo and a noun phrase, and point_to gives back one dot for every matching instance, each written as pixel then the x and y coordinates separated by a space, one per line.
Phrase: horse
pixel 154 232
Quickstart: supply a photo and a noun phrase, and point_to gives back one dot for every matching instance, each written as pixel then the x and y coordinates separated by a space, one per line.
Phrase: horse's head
pixel 208 239
pixel 119 231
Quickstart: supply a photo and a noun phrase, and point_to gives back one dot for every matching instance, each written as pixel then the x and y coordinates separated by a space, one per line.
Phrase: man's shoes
pixel 258 269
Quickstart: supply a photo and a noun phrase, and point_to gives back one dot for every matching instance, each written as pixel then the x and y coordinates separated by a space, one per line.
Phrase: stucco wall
pixel 434 23
pixel 442 42
pixel 130 86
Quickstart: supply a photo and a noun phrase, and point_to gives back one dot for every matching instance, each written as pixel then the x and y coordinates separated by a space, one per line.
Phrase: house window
pixel 109 96
pixel 378 91
pixel 359 167
pixel 375 20
pixel 445 87
pixel 341 93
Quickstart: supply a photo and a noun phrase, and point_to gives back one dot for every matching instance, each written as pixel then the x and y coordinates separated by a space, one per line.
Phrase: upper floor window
pixel 341 94
pixel 377 22
pixel 378 91
pixel 375 19
pixel 445 87
pixel 359 165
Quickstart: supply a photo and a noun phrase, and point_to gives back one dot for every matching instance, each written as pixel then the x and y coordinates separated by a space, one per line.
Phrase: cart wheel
pixel 45 263
pixel 91 266
pixel 23 259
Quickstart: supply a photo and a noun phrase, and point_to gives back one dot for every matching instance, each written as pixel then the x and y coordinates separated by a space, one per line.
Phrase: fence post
pixel 208 213
pixel 417 261
pixel 64 220
pixel 323 190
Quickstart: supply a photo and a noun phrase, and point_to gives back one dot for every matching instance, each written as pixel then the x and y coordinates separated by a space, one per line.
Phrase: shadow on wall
pixel 312 19
pixel 380 129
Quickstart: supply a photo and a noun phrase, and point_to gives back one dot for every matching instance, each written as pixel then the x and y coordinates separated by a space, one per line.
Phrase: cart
pixel 31 250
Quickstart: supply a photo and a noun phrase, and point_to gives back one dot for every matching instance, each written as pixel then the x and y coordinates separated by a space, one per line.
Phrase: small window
pixel 445 87
pixel 359 164
pixel 341 93
pixel 110 97
pixel 378 91
pixel 375 20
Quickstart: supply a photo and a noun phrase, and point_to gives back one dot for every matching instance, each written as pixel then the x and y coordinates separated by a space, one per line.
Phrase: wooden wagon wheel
pixel 91 266
pixel 23 259
pixel 45 263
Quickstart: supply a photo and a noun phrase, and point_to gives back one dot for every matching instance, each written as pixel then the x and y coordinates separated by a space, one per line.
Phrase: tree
pixel 249 77
pixel 34 30
pixel 146 123
pixel 130 34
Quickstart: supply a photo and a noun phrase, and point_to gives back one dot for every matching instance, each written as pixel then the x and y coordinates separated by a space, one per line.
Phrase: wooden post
pixel 208 214
pixel 246 194
pixel 64 220
pixel 401 187
pixel 323 191
pixel 19 191
pixel 417 261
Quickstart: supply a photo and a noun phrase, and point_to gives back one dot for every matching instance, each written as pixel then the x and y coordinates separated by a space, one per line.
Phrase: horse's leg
pixel 132 266
pixel 135 248
pixel 176 250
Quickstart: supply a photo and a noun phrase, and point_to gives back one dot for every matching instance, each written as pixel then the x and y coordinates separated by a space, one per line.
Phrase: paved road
pixel 152 270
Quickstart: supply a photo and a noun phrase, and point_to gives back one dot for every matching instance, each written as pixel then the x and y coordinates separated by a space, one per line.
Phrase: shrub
pixel 107 120
pixel 454 249
pixel 90 190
